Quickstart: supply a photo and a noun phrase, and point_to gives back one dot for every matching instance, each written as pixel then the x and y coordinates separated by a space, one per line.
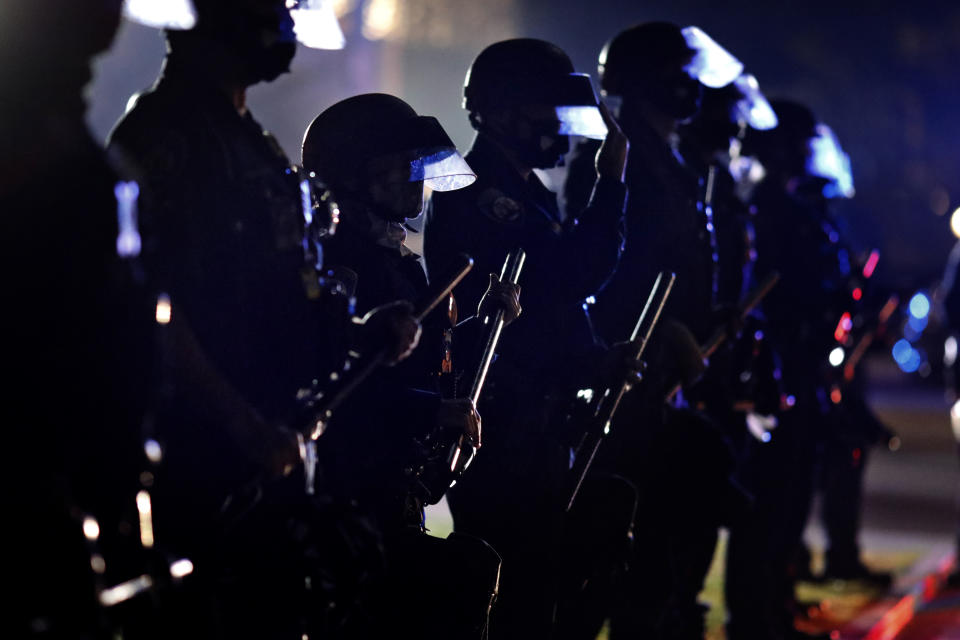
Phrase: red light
pixel 843 327
pixel 871 263
pixel 836 396
pixel 857 293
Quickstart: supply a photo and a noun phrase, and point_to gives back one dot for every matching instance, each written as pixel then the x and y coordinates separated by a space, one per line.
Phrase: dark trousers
pixel 759 587
pixel 512 498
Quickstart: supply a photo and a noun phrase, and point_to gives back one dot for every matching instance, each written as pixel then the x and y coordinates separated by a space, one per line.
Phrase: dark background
pixel 882 74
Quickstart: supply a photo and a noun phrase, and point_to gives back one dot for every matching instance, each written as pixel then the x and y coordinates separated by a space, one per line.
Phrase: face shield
pixel 712 65
pixel 422 152
pixel 826 159
pixel 315 24
pixel 178 15
pixel 574 105
pixel 577 108
pixel 753 108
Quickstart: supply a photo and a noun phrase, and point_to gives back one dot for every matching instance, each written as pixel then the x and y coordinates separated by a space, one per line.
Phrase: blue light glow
pixel 306 201
pixel 917 324
pixel 919 305
pixel 901 351
pixel 906 357
pixel 128 232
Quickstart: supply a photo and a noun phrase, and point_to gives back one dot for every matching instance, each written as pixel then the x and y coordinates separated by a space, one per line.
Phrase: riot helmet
pixel 45 52
pixel 665 64
pixel 804 150
pixel 727 112
pixel 375 150
pixel 261 34
pixel 783 150
pixel 526 95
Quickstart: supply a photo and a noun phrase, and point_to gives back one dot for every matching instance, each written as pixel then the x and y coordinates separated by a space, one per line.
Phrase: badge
pixel 501 208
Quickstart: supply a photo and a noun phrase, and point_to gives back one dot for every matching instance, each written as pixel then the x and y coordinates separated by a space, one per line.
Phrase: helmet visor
pixel 442 169
pixel 422 151
pixel 574 102
pixel 178 15
pixel 582 121
pixel 712 65
pixel 827 159
pixel 753 108
pixel 315 24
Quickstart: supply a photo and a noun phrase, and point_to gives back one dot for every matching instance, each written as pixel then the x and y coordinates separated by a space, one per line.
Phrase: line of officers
pixel 174 300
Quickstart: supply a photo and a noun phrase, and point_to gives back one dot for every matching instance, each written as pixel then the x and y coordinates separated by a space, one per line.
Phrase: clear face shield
pixel 576 107
pixel 753 108
pixel 826 159
pixel 178 15
pixel 424 154
pixel 712 65
pixel 314 21
pixel 315 24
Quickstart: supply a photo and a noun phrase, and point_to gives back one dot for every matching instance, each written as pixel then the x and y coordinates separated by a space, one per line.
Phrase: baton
pixel 326 403
pixel 609 402
pixel 720 335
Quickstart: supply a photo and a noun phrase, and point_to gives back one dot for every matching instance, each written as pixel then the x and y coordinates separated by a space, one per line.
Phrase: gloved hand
pixel 619 364
pixel 460 415
pixel 281 450
pixel 500 296
pixel 391 328
pixel 729 317
pixel 681 352
pixel 611 160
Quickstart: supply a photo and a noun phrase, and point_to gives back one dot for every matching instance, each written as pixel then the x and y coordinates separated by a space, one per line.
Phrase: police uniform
pixel 372 439
pixel 513 494
pixel 667 230
pixel 222 223
pixel 222 229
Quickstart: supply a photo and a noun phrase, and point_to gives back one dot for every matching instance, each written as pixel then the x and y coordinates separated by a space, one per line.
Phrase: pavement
pixel 909 526
pixel 910 520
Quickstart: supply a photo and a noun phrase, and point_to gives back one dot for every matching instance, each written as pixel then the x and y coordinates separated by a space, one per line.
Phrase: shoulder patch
pixel 501 208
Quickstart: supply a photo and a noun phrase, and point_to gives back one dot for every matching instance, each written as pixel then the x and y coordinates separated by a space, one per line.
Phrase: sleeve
pixel 596 237
pixel 581 176
pixel 452 226
pixel 159 158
